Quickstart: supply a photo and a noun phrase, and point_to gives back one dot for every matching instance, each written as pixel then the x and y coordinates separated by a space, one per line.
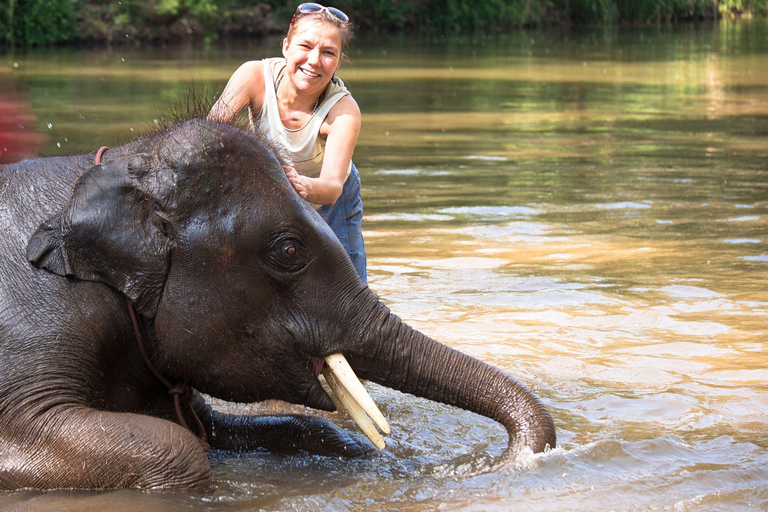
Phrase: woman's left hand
pixel 297 180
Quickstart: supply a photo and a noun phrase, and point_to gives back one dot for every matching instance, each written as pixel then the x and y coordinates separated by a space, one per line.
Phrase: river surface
pixel 587 211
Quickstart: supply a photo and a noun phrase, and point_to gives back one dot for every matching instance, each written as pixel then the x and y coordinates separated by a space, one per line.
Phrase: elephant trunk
pixel 402 358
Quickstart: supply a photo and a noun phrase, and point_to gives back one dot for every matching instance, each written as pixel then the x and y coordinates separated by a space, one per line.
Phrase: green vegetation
pixel 38 22
pixel 497 15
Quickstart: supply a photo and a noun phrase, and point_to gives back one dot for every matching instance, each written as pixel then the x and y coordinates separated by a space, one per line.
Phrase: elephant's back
pixel 34 188
pixel 32 191
pixel 46 321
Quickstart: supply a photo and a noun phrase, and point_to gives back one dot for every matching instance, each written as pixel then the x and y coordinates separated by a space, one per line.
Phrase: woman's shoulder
pixel 346 105
pixel 343 118
pixel 252 67
pixel 337 88
pixel 249 78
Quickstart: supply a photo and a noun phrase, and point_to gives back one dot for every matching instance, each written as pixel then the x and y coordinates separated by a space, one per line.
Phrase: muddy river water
pixel 586 211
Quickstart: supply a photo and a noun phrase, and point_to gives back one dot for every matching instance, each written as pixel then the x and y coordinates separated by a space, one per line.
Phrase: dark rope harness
pixel 181 393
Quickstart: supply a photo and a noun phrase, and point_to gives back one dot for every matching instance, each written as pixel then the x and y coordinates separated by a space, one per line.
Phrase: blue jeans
pixel 345 218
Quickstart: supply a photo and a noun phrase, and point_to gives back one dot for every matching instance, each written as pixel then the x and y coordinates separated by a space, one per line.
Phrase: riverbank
pixel 38 22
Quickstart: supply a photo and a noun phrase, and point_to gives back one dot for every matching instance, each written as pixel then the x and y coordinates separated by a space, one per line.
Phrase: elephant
pixel 181 265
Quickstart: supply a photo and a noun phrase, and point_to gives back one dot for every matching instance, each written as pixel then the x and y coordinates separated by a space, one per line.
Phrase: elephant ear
pixel 112 231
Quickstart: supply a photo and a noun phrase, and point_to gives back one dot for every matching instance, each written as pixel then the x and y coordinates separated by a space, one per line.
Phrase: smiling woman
pixel 302 107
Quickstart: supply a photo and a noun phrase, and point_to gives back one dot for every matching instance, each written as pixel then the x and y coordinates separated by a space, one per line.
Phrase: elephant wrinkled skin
pixel 240 288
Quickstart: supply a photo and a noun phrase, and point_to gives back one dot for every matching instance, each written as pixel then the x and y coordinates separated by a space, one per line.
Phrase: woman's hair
pixel 345 28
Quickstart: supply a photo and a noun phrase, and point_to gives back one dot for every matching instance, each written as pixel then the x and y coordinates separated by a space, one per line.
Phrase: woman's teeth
pixel 309 73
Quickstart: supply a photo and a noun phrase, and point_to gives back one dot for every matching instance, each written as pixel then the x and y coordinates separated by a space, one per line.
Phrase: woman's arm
pixel 245 87
pixel 341 129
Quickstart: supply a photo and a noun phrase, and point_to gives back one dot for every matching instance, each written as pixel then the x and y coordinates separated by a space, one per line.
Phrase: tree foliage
pixel 37 22
pixel 499 15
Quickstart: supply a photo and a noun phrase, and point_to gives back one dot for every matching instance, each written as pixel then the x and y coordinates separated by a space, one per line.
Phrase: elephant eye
pixel 287 253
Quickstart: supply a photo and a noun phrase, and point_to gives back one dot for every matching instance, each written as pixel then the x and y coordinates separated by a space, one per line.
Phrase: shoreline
pixel 98 24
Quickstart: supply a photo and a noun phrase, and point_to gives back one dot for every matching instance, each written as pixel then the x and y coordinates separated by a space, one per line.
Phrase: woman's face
pixel 313 55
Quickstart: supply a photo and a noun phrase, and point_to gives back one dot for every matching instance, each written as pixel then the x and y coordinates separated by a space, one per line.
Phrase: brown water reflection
pixel 18 127
pixel 586 211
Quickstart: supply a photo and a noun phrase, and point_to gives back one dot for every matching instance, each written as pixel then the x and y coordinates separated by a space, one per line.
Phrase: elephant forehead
pixel 226 234
pixel 222 225
pixel 218 188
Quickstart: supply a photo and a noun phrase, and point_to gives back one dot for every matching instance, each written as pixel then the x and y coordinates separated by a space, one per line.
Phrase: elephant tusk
pixel 345 376
pixel 344 400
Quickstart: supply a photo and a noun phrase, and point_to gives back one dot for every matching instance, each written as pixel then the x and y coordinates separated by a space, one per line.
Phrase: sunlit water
pixel 588 212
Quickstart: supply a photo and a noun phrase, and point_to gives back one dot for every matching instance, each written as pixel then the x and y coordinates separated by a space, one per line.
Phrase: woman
pixel 301 106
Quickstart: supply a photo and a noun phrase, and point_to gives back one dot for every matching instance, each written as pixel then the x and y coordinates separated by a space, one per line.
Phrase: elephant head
pixel 245 288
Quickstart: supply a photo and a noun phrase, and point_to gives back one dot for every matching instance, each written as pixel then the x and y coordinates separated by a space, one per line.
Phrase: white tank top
pixel 303 146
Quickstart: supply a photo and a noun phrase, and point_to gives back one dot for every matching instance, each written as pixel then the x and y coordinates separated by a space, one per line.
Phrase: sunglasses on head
pixel 313 8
